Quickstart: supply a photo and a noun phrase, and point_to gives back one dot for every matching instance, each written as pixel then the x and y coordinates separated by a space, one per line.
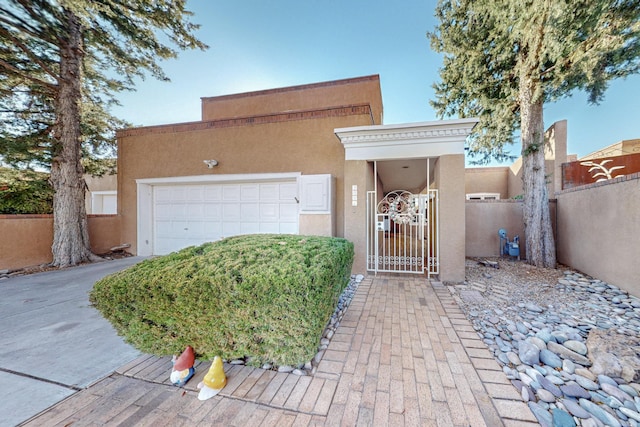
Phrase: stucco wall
pixel 487 180
pixel 98 183
pixel 268 138
pixel 104 232
pixel 450 184
pixel 357 172
pixel 514 178
pixel 484 218
pixel 297 98
pixel 306 146
pixel 317 225
pixel 599 231
pixel 555 155
pixel 27 239
pixel 16 231
pixel 101 183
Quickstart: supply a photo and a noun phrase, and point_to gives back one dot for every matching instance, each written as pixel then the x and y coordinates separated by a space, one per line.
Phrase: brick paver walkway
pixel 404 354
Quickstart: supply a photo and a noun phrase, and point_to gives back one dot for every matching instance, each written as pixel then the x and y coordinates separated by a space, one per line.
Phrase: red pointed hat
pixel 186 359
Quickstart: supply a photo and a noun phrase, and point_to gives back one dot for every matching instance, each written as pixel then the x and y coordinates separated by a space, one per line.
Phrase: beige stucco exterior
pixel 627 146
pixel 294 131
pixel 483 219
pixel 507 180
pixel 305 146
pixel 27 239
pixel 100 184
pixel 289 130
pixel 487 180
pixel 450 182
pixel 309 97
pixel 335 128
pixel 357 173
pixel 598 230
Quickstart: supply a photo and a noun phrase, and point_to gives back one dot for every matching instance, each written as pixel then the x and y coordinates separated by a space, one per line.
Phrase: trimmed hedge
pixel 264 297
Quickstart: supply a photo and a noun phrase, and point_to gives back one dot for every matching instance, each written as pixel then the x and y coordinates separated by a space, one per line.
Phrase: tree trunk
pixel 540 244
pixel 70 230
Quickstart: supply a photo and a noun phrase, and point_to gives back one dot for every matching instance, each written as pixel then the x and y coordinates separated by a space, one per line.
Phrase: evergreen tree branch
pixel 29 53
pixel 4 64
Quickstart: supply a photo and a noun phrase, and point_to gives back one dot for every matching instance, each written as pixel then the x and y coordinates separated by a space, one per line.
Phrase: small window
pixel 483 196
pixel 104 202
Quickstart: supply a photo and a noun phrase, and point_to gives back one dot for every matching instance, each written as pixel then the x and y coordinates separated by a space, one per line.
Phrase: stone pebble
pixel 542 349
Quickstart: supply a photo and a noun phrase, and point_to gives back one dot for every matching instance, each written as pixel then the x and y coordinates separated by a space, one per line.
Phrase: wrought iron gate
pixel 402 232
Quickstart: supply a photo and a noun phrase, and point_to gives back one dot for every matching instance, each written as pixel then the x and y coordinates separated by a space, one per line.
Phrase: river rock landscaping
pixel 569 343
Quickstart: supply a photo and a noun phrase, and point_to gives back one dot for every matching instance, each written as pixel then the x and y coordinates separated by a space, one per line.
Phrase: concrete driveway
pixel 52 342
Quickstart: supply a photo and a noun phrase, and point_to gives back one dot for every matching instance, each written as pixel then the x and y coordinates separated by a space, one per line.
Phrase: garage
pixel 187 214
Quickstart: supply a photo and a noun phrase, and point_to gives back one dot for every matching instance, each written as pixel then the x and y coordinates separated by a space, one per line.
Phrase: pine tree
pixel 62 62
pixel 503 59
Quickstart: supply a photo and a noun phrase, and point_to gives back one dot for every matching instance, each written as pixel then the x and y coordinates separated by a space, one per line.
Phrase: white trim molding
pixel 205 179
pixel 405 141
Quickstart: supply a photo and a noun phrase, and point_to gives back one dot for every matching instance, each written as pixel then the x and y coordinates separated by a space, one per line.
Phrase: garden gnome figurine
pixel 183 367
pixel 214 381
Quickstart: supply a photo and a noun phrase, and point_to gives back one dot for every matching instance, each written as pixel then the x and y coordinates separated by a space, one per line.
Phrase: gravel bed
pixel 569 343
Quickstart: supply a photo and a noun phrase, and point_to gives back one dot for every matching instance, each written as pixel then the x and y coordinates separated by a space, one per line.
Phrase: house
pixel 504 185
pixel 615 161
pixel 313 159
pixel 505 182
pixel 101 194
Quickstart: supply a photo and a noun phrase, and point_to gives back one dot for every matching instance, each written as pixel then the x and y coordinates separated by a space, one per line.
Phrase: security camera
pixel 211 163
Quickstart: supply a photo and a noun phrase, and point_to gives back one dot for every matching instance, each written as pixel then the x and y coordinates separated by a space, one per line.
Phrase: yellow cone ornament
pixel 214 381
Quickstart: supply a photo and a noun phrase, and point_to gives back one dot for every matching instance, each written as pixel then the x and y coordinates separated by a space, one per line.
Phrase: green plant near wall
pixel 25 192
pixel 264 297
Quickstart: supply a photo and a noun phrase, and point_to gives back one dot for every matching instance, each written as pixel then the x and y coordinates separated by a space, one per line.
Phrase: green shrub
pixel 265 297
pixel 25 192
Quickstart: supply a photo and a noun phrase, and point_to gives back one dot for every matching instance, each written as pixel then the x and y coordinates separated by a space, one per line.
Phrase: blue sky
pixel 264 44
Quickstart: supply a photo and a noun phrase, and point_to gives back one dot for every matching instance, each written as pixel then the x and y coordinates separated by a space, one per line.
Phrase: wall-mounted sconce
pixel 211 163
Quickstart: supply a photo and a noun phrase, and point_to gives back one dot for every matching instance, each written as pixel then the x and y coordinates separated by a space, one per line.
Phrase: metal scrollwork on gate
pixel 401 206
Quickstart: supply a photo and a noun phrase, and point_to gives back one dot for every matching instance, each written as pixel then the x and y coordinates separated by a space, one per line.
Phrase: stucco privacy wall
pixel 484 218
pixel 599 230
pixel 37 231
pixel 277 142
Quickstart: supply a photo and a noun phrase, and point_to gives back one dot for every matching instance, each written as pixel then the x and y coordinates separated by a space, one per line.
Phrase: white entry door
pixel 192 214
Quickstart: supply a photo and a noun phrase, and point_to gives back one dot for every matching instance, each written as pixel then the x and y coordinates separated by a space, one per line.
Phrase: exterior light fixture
pixel 211 163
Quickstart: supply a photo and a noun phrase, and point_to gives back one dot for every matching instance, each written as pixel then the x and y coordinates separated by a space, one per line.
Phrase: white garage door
pixel 186 215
